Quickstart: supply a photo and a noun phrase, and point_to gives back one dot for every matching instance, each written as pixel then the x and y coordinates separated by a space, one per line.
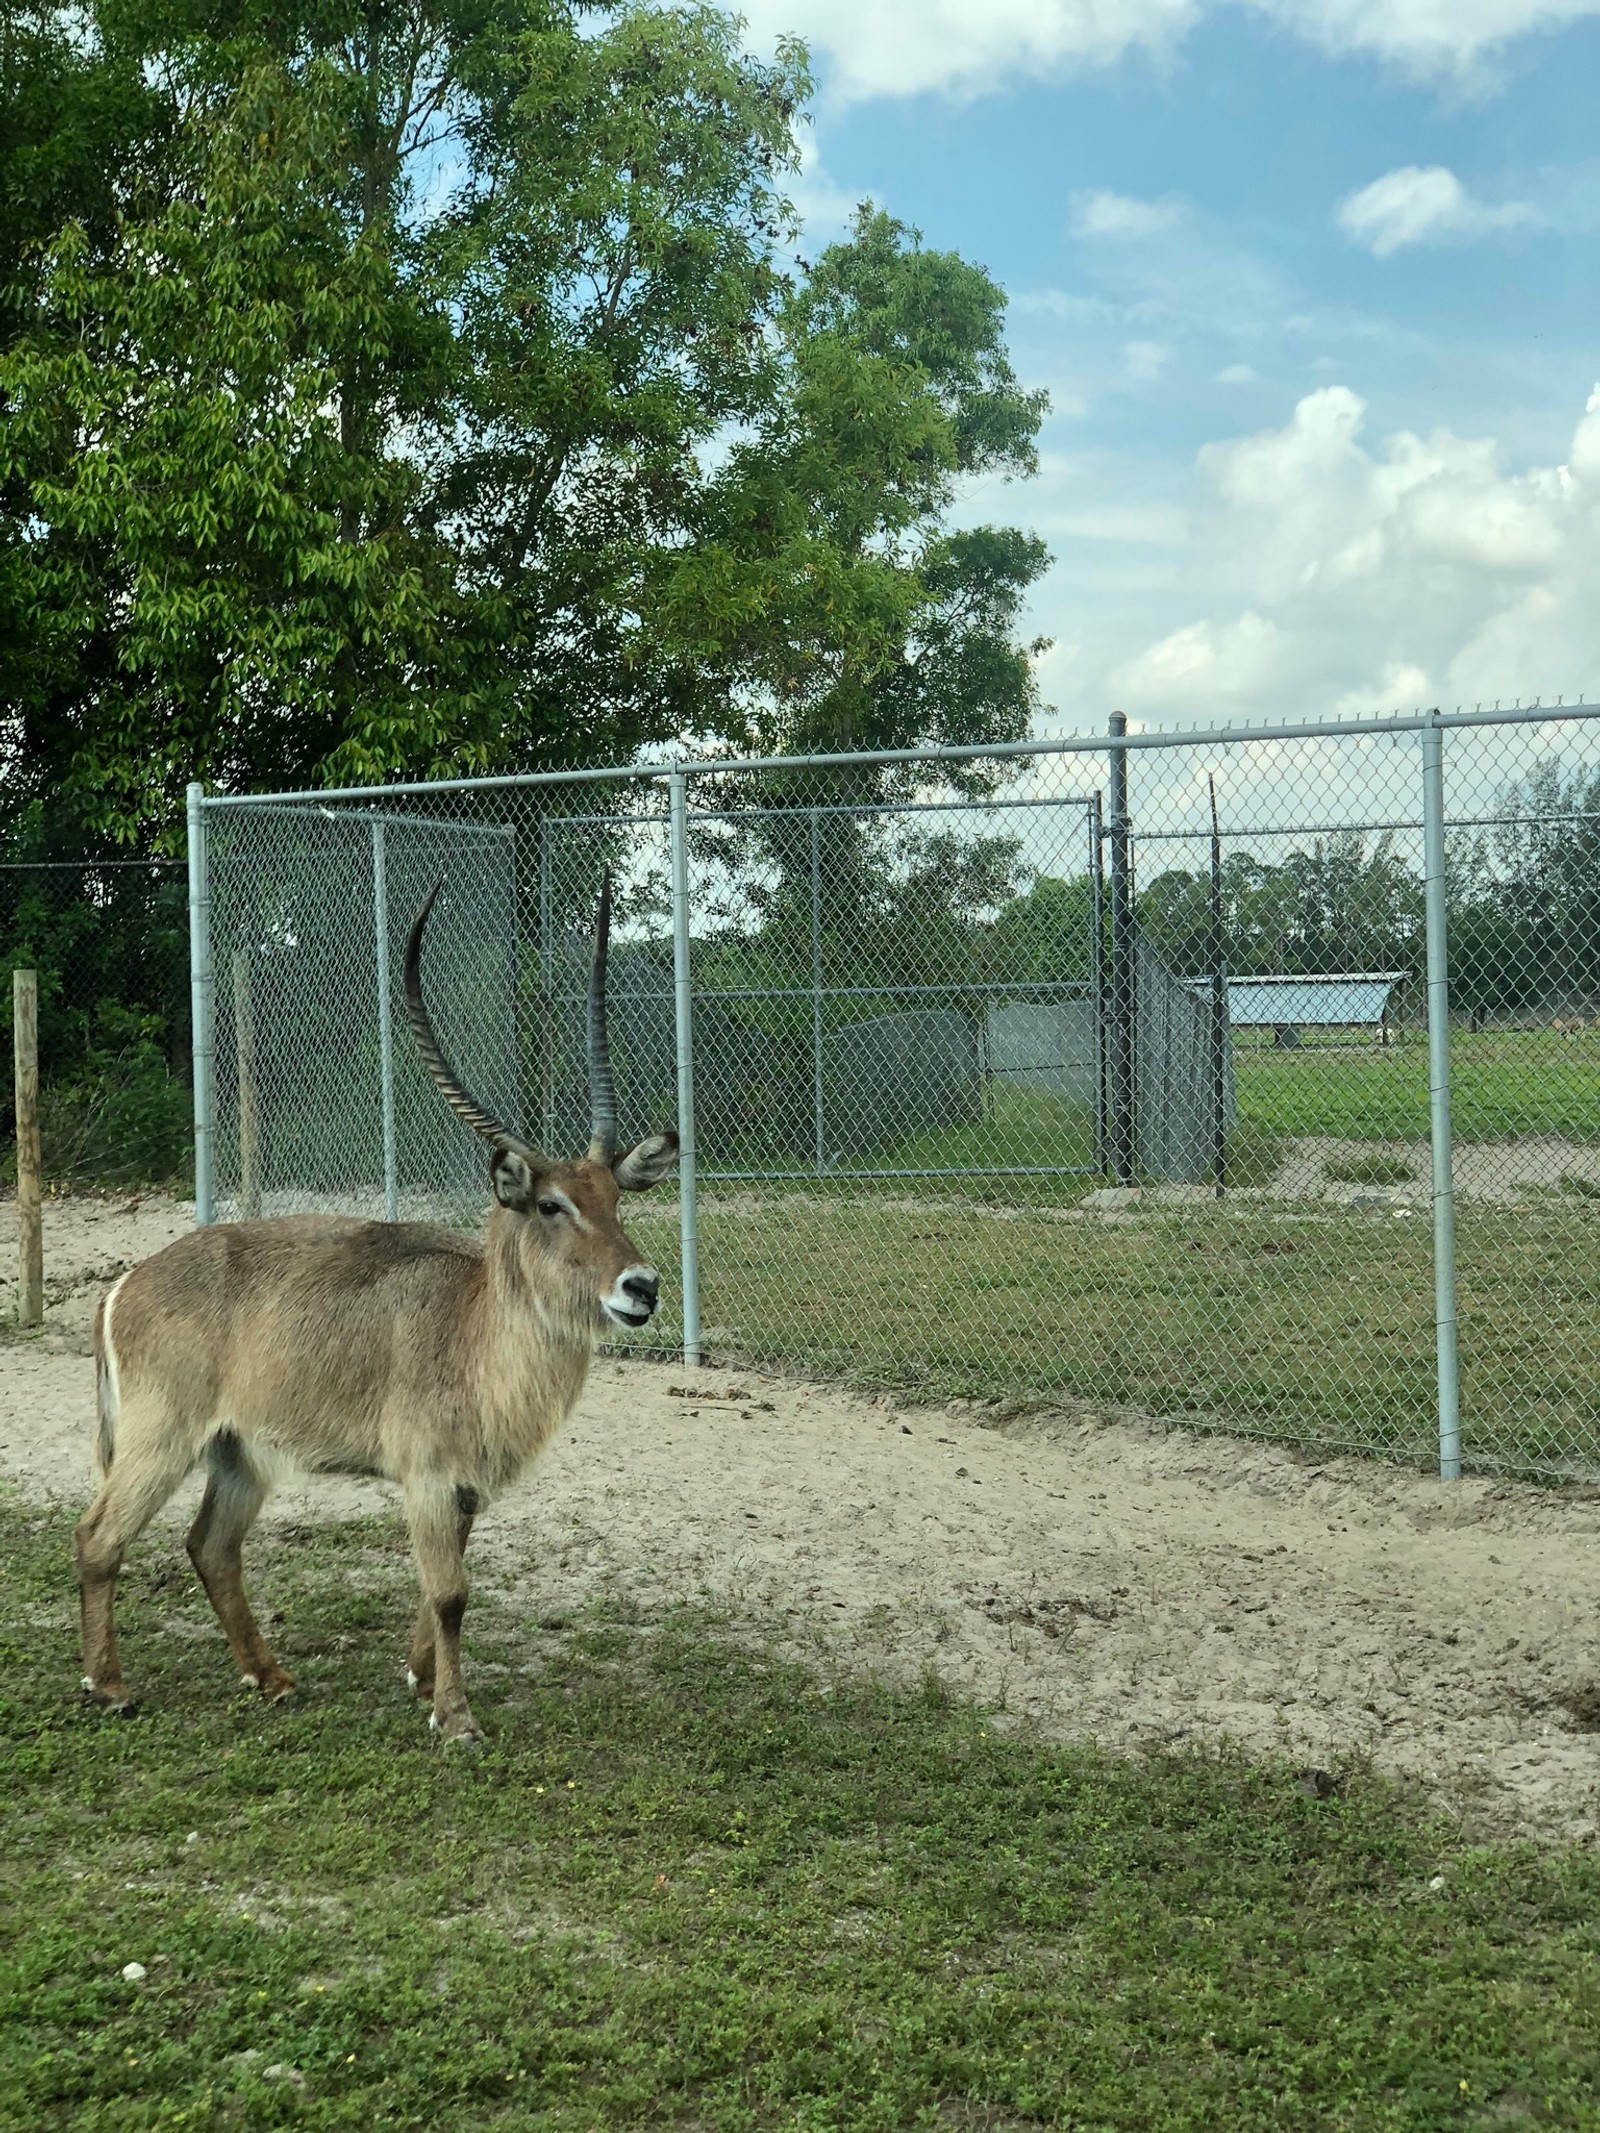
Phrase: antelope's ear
pixel 641 1167
pixel 513 1178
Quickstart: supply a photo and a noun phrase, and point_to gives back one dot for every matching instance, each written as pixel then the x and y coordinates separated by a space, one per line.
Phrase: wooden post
pixel 244 1030
pixel 30 1166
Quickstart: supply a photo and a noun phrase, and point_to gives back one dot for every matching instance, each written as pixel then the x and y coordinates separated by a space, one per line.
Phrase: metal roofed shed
pixel 1357 999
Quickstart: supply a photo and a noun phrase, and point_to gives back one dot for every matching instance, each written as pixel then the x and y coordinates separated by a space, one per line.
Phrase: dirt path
pixel 1087 1574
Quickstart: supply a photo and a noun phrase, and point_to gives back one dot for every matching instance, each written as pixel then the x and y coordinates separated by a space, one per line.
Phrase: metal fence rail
pixel 946 1037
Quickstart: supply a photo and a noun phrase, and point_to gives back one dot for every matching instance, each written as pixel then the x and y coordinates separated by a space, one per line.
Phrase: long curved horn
pixel 440 1071
pixel 602 1092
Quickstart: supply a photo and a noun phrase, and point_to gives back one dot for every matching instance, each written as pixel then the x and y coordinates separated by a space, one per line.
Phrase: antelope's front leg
pixel 420 1667
pixel 440 1518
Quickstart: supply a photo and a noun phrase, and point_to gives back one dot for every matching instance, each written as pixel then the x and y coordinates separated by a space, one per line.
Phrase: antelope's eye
pixel 551 1207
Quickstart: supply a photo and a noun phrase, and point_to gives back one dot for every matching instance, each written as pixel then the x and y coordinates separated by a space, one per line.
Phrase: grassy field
pixel 689 1886
pixel 1505 1087
pixel 1316 1329
pixel 1503 1084
pixel 1303 1321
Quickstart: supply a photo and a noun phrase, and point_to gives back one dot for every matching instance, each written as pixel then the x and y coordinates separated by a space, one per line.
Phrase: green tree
pixel 259 420
pixel 826 585
pixel 1047 935
pixel 433 396
pixel 1525 898
pixel 76 124
pixel 1340 905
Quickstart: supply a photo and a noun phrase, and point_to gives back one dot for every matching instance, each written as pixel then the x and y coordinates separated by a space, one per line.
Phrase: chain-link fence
pixel 1116 1070
pixel 109 939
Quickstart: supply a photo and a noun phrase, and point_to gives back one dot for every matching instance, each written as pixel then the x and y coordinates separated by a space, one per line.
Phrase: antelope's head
pixel 567 1231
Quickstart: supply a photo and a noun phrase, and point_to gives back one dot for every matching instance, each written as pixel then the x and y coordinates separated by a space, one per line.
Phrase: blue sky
pixel 1313 286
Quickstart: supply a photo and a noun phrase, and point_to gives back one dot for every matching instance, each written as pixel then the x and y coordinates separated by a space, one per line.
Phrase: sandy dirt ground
pixel 1081 1574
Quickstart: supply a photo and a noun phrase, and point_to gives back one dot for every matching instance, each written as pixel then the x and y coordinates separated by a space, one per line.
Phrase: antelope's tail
pixel 107 1384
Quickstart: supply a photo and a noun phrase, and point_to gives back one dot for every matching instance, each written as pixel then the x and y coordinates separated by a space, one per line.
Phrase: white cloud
pixel 906 47
pixel 1338 575
pixel 1432 38
pixel 1236 374
pixel 964 47
pixel 1139 525
pixel 1207 666
pixel 1419 206
pixel 1400 686
pixel 1144 361
pixel 825 209
pixel 1105 214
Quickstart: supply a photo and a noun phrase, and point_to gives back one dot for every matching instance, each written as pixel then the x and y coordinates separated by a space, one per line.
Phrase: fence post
pixel 202 1004
pixel 1120 1034
pixel 1219 1013
pixel 380 922
pixel 818 1126
pixel 1097 979
pixel 244 1031
pixel 30 1164
pixel 547 993
pixel 1444 1199
pixel 683 1003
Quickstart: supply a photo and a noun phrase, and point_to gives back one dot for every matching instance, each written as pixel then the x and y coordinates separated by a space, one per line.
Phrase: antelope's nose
pixel 642 1289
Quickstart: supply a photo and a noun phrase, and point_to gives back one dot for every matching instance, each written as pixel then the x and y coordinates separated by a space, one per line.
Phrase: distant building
pixel 1348 1000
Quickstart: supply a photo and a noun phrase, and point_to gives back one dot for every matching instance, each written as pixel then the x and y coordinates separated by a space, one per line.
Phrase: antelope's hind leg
pixel 235 1492
pixel 146 1466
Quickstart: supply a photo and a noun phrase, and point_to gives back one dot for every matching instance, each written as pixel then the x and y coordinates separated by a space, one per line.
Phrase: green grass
pixel 1503 1084
pixel 1309 1324
pixel 689 1886
pixel 1316 1329
pixel 1045 1132
pixel 1023 1128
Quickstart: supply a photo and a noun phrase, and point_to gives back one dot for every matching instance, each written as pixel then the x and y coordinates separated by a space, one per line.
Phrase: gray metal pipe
pixel 380 921
pixel 683 1002
pixel 1216 956
pixel 818 1123
pixel 1444 1198
pixel 1097 981
pixel 1119 1034
pixel 202 1007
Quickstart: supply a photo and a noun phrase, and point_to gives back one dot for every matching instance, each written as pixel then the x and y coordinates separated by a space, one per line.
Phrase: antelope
pixel 392 1349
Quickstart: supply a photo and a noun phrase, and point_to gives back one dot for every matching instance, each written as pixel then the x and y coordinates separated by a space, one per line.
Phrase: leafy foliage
pixel 1525 921
pixel 425 388
pixel 1339 905
pixel 109 941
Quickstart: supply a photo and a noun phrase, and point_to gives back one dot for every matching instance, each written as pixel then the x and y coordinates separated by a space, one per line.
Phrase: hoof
pixel 456 1732
pixel 276 1687
pixel 116 1699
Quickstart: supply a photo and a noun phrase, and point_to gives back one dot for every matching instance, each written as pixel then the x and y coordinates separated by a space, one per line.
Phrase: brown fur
pixel 440 1362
